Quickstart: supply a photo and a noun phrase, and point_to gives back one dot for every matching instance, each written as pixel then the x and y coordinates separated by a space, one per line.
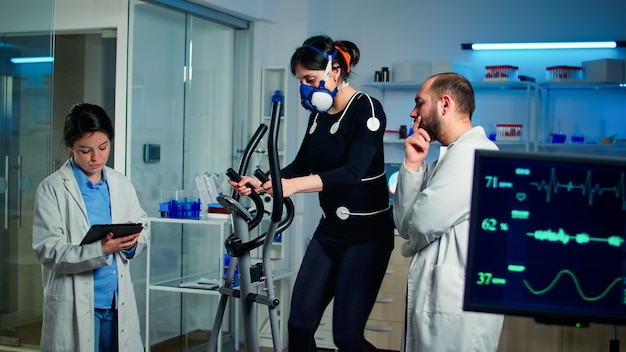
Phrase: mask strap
pixel 329 57
pixel 329 68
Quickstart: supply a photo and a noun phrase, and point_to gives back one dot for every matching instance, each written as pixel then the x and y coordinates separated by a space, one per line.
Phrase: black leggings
pixel 352 275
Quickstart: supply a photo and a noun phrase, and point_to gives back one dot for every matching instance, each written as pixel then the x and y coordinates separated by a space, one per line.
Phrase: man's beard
pixel 432 124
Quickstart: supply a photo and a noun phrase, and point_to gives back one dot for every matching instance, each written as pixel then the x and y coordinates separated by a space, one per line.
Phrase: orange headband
pixel 346 58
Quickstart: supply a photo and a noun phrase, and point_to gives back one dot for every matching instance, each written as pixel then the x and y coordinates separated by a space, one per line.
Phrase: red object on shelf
pixel 564 72
pixel 501 71
pixel 391 134
pixel 218 210
pixel 508 131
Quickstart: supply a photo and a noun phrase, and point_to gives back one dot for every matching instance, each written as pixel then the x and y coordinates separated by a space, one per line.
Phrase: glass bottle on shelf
pixel 403 132
pixel 577 137
pixel 384 74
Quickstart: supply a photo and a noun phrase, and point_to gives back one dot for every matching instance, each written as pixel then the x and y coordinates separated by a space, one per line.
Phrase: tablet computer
pixel 97 232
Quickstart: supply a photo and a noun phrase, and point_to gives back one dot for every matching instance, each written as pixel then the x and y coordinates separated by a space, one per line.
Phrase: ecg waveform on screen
pixel 587 188
pixel 584 296
pixel 580 238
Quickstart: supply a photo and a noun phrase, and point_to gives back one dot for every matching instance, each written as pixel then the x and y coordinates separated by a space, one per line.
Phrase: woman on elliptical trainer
pixel 341 158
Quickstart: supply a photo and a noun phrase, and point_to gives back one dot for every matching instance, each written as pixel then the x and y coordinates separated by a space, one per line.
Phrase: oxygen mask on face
pixel 319 99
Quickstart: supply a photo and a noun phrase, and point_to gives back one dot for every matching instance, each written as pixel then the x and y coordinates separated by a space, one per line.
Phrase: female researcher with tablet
pixel 89 301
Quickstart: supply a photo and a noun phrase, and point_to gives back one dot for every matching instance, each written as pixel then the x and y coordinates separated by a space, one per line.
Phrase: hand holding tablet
pixel 97 232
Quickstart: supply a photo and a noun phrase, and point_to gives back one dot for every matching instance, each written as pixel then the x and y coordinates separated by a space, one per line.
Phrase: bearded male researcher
pixel 431 211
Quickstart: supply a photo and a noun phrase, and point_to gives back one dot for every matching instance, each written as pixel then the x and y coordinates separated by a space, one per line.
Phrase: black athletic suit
pixel 349 252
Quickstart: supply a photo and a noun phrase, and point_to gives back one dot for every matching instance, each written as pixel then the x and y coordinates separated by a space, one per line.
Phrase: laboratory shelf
pixel 184 251
pixel 575 106
pixel 497 102
pixel 581 85
pixel 479 85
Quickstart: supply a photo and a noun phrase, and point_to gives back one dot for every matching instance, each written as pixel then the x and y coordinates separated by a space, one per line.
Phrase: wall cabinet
pixel 283 292
pixel 524 334
pixel 386 321
pixel 324 333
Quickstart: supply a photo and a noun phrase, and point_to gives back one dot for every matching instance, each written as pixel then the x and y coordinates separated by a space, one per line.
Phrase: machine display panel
pixel 547 238
pixel 391 171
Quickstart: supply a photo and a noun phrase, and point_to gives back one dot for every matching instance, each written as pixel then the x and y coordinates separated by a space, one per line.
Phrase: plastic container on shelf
pixel 181 209
pixel 278 97
pixel 501 73
pixel 182 204
pixel 563 72
pixel 604 70
pixel 508 132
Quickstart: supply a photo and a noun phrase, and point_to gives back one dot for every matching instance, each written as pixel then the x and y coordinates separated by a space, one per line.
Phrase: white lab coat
pixel 60 222
pixel 431 210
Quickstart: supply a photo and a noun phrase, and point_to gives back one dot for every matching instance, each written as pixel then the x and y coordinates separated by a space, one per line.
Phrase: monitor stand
pixel 614 343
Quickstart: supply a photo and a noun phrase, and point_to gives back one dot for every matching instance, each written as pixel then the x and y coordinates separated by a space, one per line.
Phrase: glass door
pixel 25 129
pixel 182 102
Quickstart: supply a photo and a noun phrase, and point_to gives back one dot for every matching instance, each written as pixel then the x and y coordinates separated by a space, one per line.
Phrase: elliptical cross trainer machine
pixel 239 244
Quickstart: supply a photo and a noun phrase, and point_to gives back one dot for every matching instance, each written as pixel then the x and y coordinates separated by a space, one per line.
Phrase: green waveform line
pixel 587 188
pixel 580 238
pixel 578 288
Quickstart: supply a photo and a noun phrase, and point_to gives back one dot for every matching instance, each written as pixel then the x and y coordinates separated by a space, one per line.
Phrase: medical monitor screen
pixel 547 238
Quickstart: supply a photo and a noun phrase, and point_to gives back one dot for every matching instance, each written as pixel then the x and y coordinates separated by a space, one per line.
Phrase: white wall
pixel 17 16
pixel 254 10
pixel 71 15
pixel 433 30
